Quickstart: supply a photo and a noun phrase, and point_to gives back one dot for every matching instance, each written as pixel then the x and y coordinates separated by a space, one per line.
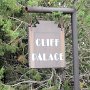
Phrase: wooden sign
pixel 46 46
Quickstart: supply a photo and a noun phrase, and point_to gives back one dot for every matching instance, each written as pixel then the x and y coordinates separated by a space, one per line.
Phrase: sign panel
pixel 46 46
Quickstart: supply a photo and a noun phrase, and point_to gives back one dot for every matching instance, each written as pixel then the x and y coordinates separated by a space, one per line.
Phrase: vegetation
pixel 14 70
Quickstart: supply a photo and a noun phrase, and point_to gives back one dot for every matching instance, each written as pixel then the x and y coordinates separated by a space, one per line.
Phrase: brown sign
pixel 46 46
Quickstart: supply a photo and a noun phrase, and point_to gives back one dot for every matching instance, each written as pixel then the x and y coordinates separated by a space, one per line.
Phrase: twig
pixel 29 81
pixel 24 74
pixel 17 19
pixel 20 5
pixel 15 39
pixel 18 26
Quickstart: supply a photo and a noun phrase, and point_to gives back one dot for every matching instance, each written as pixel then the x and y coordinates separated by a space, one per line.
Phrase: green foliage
pixel 7 34
pixel 1 50
pixel 51 88
pixel 66 85
pixel 49 82
pixel 10 30
pixel 9 7
pixel 33 2
pixel 1 73
pixel 35 75
pixel 22 87
pixel 5 87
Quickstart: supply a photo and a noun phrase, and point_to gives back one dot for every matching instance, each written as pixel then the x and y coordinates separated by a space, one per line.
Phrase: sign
pixel 46 46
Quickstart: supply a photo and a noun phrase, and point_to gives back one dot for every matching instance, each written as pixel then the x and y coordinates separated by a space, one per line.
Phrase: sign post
pixel 72 12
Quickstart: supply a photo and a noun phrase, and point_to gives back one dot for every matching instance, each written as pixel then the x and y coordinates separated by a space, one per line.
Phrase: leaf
pixel 1 72
pixel 37 76
pixel 33 2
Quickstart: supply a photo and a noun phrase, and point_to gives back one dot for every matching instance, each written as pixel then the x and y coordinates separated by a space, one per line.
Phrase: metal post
pixel 74 35
pixel 75 51
pixel 48 10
